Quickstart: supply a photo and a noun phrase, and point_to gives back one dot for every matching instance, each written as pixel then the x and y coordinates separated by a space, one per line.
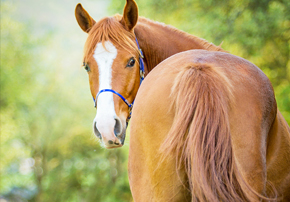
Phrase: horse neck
pixel 159 41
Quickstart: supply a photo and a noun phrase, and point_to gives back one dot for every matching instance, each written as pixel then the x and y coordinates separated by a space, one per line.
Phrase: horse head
pixel 111 59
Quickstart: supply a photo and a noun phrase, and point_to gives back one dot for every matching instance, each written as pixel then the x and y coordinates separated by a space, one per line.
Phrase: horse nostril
pixel 118 127
pixel 96 131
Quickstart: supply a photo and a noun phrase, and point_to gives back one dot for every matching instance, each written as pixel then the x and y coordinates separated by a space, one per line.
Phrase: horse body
pixel 163 136
pixel 205 125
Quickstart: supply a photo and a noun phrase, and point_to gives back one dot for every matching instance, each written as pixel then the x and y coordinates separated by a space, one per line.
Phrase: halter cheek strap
pixel 142 75
pixel 141 63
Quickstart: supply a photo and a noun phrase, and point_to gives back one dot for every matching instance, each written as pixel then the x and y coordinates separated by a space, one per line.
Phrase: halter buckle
pixel 141 53
pixel 142 74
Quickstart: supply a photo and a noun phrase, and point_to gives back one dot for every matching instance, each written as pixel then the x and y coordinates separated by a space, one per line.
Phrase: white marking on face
pixel 106 114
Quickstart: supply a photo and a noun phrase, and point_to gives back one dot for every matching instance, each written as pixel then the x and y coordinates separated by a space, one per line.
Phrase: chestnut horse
pixel 196 163
pixel 112 59
pixel 206 127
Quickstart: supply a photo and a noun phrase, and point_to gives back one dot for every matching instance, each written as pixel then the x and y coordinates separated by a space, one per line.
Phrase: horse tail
pixel 200 137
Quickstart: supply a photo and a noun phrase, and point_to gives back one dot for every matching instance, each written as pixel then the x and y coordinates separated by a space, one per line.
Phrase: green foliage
pixel 256 30
pixel 46 152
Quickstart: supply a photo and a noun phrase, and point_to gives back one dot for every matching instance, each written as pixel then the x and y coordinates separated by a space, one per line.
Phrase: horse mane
pixel 109 29
pixel 200 41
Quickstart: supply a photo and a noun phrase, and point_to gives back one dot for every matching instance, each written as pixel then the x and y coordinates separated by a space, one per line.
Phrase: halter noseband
pixel 142 75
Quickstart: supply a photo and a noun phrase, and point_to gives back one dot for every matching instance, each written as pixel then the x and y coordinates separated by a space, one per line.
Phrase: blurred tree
pixel 46 154
pixel 256 30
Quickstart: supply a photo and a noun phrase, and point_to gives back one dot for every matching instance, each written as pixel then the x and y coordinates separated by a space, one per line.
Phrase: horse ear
pixel 84 20
pixel 130 15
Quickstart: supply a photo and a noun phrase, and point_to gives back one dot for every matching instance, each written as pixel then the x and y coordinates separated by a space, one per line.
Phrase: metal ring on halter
pixel 142 75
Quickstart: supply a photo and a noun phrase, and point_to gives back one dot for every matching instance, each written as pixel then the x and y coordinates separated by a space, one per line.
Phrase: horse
pixel 206 127
pixel 115 49
pixel 224 140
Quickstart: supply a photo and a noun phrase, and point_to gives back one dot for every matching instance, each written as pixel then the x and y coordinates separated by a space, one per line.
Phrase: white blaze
pixel 105 117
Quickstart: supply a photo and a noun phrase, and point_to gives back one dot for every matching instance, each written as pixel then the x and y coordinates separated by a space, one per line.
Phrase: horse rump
pixel 200 136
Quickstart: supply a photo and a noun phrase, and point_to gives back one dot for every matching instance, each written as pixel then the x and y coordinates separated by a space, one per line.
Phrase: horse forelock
pixel 109 29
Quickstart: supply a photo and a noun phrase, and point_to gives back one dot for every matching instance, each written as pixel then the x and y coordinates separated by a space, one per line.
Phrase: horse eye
pixel 131 62
pixel 86 66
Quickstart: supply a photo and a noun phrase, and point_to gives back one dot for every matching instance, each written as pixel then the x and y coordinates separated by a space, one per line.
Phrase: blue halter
pixel 142 75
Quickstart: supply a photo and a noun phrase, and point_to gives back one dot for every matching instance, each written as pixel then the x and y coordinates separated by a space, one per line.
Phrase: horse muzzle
pixel 110 131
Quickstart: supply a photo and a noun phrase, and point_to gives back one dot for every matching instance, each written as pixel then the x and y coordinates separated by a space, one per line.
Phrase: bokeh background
pixel 48 151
